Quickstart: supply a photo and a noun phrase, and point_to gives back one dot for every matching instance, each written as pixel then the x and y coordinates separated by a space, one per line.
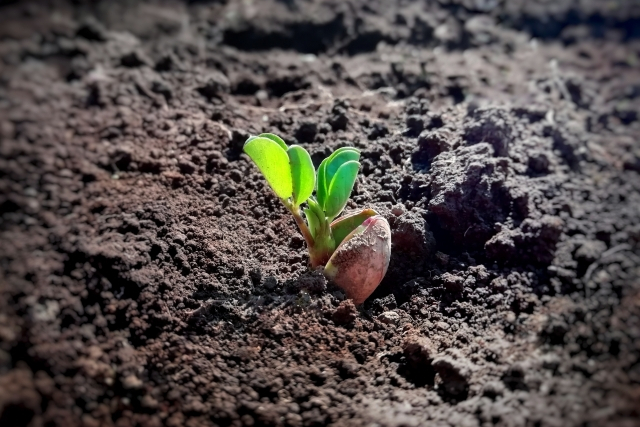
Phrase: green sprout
pixel 292 176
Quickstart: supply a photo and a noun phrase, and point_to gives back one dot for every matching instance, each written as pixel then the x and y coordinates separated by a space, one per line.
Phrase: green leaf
pixel 321 190
pixel 324 180
pixel 341 227
pixel 273 162
pixel 340 150
pixel 303 174
pixel 340 188
pixel 313 221
pixel 337 159
pixel 313 204
pixel 274 138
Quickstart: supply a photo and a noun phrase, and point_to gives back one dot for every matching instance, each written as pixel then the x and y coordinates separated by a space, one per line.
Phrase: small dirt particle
pixel 348 368
pixel 306 132
pixel 452 282
pixel 215 85
pixel 345 313
pixel 514 377
pixel 493 389
pixel 134 59
pixel 148 401
pixel 454 375
pixel 418 350
pixel 590 251
pixel 131 382
pixel 415 125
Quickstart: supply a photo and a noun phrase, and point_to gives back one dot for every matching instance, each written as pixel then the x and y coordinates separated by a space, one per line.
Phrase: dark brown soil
pixel 148 276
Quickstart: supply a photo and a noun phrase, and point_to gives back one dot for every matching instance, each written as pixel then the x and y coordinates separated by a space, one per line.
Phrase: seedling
pixel 356 247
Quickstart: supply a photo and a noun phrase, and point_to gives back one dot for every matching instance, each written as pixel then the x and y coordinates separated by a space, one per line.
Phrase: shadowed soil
pixel 149 277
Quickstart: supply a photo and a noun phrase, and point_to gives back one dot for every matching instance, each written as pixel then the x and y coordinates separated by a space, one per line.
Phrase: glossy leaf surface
pixel 321 185
pixel 303 174
pixel 337 159
pixel 275 138
pixel 273 162
pixel 340 188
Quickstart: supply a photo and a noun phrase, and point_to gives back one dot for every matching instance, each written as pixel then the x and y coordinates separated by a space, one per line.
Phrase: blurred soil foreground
pixel 149 277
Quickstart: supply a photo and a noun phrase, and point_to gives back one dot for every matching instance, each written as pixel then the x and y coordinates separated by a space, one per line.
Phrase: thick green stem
pixel 303 227
pixel 320 247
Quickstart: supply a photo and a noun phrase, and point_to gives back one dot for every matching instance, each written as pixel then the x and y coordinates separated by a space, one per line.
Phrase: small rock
pixel 398 210
pixel 262 95
pixel 389 317
pixel 131 382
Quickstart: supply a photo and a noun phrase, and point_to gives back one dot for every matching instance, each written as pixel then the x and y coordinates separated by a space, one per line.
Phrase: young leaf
pixel 340 188
pixel 324 180
pixel 340 150
pixel 274 138
pixel 313 205
pixel 321 190
pixel 273 162
pixel 341 227
pixel 303 174
pixel 337 159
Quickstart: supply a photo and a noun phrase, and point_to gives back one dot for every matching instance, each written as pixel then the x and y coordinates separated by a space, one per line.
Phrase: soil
pixel 149 277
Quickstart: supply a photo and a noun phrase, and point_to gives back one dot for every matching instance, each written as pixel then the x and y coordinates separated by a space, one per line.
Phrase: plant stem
pixel 319 247
pixel 302 226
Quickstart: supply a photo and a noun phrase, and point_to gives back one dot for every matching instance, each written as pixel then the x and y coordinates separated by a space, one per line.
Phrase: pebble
pixel 389 317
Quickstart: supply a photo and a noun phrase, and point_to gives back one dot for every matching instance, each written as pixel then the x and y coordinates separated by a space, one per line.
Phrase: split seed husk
pixel 359 264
